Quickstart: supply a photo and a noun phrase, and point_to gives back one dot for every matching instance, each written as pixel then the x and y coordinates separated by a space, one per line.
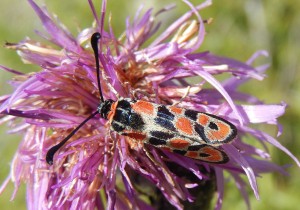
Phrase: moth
pixel 187 132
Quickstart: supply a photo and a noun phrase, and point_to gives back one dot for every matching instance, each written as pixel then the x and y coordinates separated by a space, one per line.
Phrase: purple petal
pixel 33 114
pixel 219 87
pixel 264 113
pixel 174 27
pixel 59 36
pixel 220 188
pixel 242 187
pixel 265 137
pixel 11 70
pixel 235 155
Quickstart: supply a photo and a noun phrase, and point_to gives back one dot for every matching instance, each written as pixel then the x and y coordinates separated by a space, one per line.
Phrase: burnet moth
pixel 187 132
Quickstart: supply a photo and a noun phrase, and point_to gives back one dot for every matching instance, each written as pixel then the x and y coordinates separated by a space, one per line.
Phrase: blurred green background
pixel 238 30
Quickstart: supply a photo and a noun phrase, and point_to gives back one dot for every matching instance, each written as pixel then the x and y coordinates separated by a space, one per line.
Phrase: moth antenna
pixel 51 152
pixel 94 42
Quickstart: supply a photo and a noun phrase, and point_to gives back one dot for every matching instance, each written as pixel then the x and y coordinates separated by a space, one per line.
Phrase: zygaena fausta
pixel 187 132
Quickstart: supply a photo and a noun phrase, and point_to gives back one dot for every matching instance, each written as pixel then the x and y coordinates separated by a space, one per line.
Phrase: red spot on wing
pixel 221 134
pixel 179 143
pixel 166 148
pixel 143 107
pixel 211 154
pixel 176 110
pixel 192 154
pixel 184 125
pixel 203 119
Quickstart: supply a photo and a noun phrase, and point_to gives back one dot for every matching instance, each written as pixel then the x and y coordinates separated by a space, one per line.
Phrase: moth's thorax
pixel 123 117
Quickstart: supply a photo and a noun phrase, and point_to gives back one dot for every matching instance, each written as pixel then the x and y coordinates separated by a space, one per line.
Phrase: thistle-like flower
pixel 101 169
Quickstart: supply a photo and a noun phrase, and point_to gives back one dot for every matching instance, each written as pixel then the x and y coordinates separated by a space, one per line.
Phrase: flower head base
pixel 58 98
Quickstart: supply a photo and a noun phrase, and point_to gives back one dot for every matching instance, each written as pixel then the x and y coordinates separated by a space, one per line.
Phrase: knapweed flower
pixel 99 169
